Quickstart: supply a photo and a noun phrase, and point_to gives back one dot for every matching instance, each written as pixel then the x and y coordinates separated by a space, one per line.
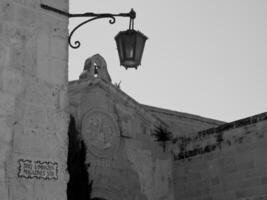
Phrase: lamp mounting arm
pixel 92 16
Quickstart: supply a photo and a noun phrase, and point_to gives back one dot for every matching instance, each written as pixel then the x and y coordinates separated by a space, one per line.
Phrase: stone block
pixel 44 67
pixel 47 190
pixel 5 131
pixel 58 121
pixel 42 93
pixel 12 81
pixel 44 22
pixel 224 196
pixel 247 192
pixel 63 103
pixel 7 104
pixel 250 182
pixel 264 180
pixel 26 16
pixel 59 30
pixel 52 70
pixel 3 189
pixel 4 54
pixel 194 176
pixel 214 181
pixel 43 44
pixel 20 190
pixel 226 160
pixel 246 165
pixel 59 70
pixel 229 168
pixel 34 117
pixel 5 141
pixel 22 47
pixel 4 149
pixel 229 185
pixel 27 3
pixel 7 11
pixel 36 142
pixel 59 48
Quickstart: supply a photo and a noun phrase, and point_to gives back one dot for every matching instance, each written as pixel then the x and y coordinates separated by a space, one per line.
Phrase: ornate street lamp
pixel 130 43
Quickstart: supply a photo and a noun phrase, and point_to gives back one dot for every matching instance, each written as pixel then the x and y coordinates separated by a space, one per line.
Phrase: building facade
pixel 205 159
pixel 33 100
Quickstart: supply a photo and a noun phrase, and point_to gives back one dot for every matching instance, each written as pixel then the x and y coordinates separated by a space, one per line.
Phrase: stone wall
pixel 182 123
pixel 33 100
pixel 125 161
pixel 226 162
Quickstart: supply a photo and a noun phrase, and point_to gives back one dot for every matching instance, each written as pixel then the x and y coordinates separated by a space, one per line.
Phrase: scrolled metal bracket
pixel 92 16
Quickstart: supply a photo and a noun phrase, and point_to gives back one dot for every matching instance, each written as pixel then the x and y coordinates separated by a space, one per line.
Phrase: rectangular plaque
pixel 36 169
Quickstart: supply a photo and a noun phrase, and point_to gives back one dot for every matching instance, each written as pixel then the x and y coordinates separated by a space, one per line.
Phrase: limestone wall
pixel 33 100
pixel 227 162
pixel 182 123
pixel 125 162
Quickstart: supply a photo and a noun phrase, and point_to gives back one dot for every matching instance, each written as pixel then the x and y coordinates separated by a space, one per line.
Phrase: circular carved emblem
pixel 100 133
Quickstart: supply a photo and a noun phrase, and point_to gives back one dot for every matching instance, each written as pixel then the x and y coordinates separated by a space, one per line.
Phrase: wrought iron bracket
pixel 91 16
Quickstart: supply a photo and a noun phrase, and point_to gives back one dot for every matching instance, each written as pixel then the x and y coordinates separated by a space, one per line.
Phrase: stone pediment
pixel 78 89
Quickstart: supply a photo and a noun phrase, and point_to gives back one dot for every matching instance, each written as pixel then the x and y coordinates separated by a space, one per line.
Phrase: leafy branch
pixel 162 135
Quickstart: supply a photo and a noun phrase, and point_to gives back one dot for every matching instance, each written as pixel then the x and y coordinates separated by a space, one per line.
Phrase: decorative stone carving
pixel 95 67
pixel 37 169
pixel 100 133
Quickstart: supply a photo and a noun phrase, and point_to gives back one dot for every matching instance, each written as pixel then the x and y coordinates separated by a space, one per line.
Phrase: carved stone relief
pixel 100 133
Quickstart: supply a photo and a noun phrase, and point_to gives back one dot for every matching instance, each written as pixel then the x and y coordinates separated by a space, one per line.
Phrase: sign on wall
pixel 31 169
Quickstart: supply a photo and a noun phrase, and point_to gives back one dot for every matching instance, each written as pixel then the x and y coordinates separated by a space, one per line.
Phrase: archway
pixel 78 187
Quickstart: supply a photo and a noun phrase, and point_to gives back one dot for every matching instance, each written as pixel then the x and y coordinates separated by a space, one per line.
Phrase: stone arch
pixel 100 152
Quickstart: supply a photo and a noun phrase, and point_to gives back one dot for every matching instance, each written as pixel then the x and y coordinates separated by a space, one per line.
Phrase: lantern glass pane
pixel 129 45
pixel 120 48
pixel 140 44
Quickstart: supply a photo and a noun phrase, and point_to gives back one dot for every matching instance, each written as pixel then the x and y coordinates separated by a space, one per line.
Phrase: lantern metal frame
pixel 92 16
pixel 137 39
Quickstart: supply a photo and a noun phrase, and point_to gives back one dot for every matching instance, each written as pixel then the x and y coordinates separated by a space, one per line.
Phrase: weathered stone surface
pixel 12 81
pixel 39 92
pixel 28 142
pixel 7 104
pixel 25 16
pixel 3 189
pixel 58 48
pixel 29 94
pixel 236 171
pixel 129 149
pixel 4 55
pixel 7 10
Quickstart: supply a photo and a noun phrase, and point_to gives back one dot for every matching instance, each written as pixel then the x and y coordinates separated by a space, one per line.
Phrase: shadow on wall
pixel 79 187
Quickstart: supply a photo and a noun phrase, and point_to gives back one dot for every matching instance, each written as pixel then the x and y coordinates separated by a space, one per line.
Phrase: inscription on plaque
pixel 36 169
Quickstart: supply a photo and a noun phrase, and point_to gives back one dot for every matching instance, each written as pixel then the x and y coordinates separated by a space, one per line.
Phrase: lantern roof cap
pixel 130 31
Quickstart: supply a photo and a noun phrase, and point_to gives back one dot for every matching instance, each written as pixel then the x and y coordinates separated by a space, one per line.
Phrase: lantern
pixel 130 45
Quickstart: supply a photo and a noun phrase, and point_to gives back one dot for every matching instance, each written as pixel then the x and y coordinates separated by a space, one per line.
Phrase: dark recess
pixel 79 187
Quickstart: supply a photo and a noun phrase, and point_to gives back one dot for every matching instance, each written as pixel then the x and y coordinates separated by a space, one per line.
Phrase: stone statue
pixel 95 67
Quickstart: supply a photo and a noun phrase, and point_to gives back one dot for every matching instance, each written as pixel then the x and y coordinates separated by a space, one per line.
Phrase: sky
pixel 204 57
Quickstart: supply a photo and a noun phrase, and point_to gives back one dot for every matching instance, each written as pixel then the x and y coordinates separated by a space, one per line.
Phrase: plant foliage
pixel 162 135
